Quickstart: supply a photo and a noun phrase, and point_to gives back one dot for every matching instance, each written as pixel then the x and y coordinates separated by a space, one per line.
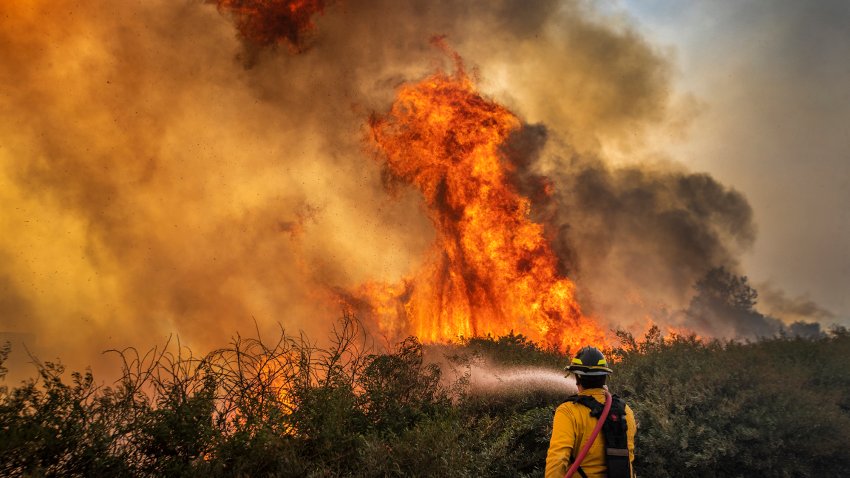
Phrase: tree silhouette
pixel 724 301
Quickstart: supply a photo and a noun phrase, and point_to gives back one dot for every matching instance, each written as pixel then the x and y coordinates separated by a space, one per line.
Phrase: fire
pixel 490 271
pixel 270 22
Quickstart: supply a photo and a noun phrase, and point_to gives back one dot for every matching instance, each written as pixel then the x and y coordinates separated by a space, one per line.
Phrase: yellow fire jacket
pixel 571 429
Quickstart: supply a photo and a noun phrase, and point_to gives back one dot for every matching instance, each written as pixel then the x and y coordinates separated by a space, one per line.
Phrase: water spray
pixel 485 378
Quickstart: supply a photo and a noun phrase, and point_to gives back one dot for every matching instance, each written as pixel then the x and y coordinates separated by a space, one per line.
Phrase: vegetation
pixel 778 407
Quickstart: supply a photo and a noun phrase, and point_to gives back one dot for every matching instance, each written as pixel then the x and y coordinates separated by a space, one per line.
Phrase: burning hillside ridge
pixel 491 271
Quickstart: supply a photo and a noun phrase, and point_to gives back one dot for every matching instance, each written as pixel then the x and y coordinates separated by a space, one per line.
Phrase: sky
pixel 162 177
pixel 773 82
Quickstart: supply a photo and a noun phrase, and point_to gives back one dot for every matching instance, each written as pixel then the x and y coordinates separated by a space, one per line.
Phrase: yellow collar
pixel 593 392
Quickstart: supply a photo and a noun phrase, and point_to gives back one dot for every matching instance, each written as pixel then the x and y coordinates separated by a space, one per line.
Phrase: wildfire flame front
pixel 490 270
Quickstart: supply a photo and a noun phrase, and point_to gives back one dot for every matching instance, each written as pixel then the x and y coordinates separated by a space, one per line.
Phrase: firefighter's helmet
pixel 589 361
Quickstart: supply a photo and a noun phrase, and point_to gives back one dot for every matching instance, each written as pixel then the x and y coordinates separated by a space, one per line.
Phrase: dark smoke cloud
pixel 636 237
pixel 155 186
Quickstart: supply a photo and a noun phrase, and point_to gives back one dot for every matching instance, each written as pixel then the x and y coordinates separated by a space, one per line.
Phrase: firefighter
pixel 612 453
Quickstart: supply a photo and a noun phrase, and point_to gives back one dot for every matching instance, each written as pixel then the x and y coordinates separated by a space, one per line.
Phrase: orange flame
pixel 491 270
pixel 270 22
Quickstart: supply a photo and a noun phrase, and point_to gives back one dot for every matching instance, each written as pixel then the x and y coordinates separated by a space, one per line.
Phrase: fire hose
pixel 592 437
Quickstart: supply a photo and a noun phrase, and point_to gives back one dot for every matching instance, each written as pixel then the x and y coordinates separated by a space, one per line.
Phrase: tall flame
pixel 491 271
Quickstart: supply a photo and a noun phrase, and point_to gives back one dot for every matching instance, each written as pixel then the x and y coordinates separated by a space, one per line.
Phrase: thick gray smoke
pixel 637 237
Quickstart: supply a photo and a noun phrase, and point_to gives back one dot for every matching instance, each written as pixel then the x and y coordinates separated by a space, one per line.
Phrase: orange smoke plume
pixel 491 270
pixel 271 22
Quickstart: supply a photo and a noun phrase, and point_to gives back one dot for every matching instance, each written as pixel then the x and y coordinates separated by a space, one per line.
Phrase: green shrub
pixel 732 409
pixel 775 407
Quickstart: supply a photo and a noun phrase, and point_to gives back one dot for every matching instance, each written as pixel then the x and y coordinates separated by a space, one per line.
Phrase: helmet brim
pixel 591 373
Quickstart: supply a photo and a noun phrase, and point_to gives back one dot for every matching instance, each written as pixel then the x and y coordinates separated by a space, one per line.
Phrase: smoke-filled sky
pixel 773 80
pixel 159 176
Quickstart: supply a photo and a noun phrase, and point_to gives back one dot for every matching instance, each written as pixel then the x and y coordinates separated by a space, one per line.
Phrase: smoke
pixel 153 185
pixel 155 192
pixel 801 308
pixel 636 237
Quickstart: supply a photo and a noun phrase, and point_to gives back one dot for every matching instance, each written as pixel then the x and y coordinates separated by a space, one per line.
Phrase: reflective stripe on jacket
pixel 571 428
